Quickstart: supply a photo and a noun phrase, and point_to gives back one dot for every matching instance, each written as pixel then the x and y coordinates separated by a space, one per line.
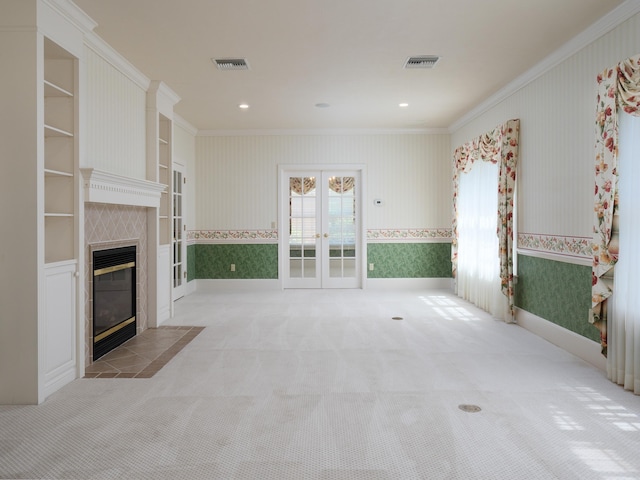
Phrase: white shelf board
pixel 50 131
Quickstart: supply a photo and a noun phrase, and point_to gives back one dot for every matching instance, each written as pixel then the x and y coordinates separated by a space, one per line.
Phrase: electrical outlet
pixel 371 267
pixel 233 267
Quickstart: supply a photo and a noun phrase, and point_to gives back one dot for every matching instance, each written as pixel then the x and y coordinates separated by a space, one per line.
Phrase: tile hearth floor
pixel 143 355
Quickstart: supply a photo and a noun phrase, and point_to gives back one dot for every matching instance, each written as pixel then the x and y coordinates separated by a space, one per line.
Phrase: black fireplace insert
pixel 114 298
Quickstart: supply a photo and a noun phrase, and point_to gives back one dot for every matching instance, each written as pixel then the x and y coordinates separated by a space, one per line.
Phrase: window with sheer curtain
pixel 478 278
pixel 498 147
pixel 615 309
pixel 623 327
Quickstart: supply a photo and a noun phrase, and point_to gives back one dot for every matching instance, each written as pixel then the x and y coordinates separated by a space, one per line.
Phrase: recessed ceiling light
pixel 322 105
pixel 243 106
pixel 403 105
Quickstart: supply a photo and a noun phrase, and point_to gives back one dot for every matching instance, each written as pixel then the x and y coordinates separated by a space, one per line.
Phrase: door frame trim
pixel 283 169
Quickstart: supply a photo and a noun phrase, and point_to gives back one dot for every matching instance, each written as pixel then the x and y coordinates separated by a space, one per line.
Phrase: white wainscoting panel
pixel 164 284
pixel 60 324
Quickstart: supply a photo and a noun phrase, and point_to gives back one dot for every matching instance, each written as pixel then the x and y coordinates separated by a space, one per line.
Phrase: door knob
pixel 317 235
pixel 326 235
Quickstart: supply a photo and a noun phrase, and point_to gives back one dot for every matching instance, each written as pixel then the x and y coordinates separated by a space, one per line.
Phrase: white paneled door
pixel 320 244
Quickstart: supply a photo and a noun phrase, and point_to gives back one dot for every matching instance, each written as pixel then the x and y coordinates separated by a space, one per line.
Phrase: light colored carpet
pixel 325 385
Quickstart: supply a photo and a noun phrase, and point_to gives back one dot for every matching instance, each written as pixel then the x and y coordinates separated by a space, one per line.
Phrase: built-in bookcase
pixel 164 177
pixel 60 152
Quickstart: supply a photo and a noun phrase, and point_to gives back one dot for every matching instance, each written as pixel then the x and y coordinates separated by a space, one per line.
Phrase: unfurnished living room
pixel 337 239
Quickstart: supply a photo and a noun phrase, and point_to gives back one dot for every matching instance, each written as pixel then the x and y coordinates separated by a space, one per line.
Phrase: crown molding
pixel 322 131
pixel 182 123
pixel 108 53
pixel 73 13
pixel 161 97
pixel 604 25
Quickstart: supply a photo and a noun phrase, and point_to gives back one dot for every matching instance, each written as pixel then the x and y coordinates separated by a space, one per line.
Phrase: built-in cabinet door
pixel 320 240
pixel 59 326
pixel 179 241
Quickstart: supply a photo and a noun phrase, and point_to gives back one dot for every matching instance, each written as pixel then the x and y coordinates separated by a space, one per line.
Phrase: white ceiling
pixel 347 53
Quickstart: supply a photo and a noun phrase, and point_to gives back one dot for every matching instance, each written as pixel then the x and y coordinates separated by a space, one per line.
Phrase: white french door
pixel 179 242
pixel 320 225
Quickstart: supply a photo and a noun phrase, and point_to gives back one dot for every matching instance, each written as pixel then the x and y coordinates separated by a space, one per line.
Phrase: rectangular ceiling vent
pixel 421 61
pixel 231 63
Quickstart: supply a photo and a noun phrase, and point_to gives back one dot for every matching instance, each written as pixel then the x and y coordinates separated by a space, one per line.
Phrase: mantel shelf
pixel 105 187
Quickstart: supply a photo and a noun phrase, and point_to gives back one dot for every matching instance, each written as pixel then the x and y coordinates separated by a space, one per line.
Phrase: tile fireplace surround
pixel 110 226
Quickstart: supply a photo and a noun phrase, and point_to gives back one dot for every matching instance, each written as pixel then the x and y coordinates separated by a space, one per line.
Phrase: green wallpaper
pixel 556 291
pixel 191 262
pixel 251 261
pixel 409 260
pixel 391 260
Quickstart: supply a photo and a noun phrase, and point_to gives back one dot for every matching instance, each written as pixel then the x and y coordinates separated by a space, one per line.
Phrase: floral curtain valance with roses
pixel 497 146
pixel 308 184
pixel 618 89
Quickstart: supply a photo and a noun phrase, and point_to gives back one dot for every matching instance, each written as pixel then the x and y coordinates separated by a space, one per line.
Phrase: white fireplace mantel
pixel 104 187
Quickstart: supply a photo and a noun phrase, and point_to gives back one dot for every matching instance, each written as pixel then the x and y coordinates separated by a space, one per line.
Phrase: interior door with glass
pixel 340 232
pixel 179 244
pixel 321 234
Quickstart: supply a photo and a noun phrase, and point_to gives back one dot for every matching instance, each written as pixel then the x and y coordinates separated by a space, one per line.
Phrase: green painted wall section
pixel 409 260
pixel 257 261
pixel 191 262
pixel 252 261
pixel 556 291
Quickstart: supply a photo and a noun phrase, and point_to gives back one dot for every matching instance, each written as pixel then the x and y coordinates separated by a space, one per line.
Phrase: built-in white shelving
pixel 164 177
pixel 60 152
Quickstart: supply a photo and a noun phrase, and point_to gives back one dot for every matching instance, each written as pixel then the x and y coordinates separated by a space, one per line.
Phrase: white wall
pixel 236 177
pixel 116 109
pixel 557 114
pixel 184 153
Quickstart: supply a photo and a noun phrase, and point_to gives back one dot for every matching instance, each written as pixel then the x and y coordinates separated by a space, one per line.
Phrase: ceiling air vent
pixel 231 63
pixel 421 61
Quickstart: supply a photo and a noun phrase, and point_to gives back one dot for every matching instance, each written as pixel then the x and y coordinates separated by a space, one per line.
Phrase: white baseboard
pixel 580 346
pixel 410 283
pixel 212 285
pixel 190 287
pixel 58 379
pixel 217 285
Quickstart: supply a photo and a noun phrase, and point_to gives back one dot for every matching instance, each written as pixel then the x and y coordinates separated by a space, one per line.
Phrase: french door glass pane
pixel 342 227
pixel 178 265
pixel 302 227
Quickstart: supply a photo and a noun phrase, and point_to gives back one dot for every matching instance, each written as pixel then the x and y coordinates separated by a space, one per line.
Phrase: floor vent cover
pixel 469 408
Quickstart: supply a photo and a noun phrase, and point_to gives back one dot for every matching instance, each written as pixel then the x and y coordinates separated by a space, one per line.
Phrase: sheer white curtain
pixel 623 326
pixel 478 275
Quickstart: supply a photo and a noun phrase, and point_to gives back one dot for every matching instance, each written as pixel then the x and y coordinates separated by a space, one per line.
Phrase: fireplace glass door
pixel 114 298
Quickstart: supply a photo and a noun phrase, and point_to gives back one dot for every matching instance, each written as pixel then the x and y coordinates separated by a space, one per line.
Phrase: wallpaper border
pixel 411 235
pixel 567 246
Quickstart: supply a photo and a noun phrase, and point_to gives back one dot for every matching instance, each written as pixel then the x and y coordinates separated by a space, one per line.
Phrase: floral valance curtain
pixel 497 146
pixel 618 88
pixel 337 184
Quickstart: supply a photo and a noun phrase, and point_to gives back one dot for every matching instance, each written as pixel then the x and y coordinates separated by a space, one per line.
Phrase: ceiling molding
pixel 186 126
pixel 73 13
pixel 322 131
pixel 108 53
pixel 607 23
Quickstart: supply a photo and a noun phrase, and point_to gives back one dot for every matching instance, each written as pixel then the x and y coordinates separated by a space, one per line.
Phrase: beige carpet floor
pixel 326 385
